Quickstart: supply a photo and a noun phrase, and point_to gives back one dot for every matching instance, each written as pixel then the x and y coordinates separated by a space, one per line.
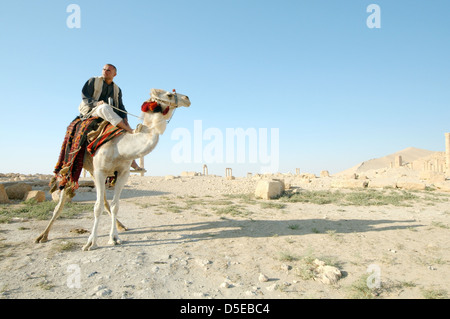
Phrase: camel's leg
pixel 88 165
pixel 58 209
pixel 99 179
pixel 121 227
pixel 122 178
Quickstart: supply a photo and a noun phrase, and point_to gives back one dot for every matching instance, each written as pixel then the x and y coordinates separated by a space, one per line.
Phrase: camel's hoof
pixel 89 246
pixel 114 242
pixel 41 239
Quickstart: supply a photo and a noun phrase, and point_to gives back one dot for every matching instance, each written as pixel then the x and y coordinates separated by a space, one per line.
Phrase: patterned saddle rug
pixel 76 142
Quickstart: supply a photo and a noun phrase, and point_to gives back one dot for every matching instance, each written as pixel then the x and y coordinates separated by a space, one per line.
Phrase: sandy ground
pixel 201 237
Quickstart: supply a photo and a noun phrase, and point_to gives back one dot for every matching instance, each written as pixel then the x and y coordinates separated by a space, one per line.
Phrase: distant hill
pixel 408 155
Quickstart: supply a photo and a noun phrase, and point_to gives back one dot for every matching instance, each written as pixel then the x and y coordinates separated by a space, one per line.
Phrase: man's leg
pixel 136 166
pixel 124 125
pixel 106 112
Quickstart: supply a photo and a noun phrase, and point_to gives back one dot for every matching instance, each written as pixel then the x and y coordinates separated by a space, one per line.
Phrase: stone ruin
pixel 229 173
pixel 438 162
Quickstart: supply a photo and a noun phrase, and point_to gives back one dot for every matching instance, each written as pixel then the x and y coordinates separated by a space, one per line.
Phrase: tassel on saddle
pixel 68 187
pixel 94 134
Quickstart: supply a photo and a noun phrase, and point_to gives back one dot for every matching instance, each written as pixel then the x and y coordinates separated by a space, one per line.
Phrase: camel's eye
pixel 169 94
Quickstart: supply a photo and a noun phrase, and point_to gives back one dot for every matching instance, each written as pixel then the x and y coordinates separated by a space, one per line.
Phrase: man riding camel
pixel 99 94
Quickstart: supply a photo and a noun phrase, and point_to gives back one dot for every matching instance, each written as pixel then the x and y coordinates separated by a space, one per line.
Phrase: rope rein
pixel 139 117
pixel 160 101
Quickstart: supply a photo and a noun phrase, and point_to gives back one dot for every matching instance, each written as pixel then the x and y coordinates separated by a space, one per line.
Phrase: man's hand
pixel 100 102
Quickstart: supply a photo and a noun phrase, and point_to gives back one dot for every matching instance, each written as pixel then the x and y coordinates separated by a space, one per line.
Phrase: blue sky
pixel 337 91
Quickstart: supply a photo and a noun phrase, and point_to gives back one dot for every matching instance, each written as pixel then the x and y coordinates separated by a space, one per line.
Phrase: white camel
pixel 116 156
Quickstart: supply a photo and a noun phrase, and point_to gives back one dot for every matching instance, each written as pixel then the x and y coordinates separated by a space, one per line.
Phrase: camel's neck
pixel 139 144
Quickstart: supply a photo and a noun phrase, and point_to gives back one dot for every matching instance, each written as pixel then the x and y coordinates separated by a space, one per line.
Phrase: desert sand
pixel 208 237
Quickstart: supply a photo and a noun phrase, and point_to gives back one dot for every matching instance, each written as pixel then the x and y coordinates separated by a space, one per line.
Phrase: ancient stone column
pixel 141 165
pixel 398 161
pixel 205 170
pixel 447 152
pixel 229 173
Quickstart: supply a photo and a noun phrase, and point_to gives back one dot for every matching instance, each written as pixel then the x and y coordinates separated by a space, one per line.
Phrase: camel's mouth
pixel 187 101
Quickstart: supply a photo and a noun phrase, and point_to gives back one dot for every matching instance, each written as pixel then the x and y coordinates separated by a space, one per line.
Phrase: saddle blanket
pixel 108 133
pixel 70 161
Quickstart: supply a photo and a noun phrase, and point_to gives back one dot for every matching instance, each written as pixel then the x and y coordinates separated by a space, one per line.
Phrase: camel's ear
pixel 156 92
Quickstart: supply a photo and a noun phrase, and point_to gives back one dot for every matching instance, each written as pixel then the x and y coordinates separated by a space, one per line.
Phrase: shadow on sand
pixel 126 194
pixel 229 228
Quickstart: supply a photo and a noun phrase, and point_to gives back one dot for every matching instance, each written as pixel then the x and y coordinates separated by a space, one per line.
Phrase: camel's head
pixel 160 107
pixel 164 102
pixel 171 99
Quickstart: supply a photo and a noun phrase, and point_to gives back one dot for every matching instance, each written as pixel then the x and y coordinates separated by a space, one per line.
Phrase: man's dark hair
pixel 112 65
